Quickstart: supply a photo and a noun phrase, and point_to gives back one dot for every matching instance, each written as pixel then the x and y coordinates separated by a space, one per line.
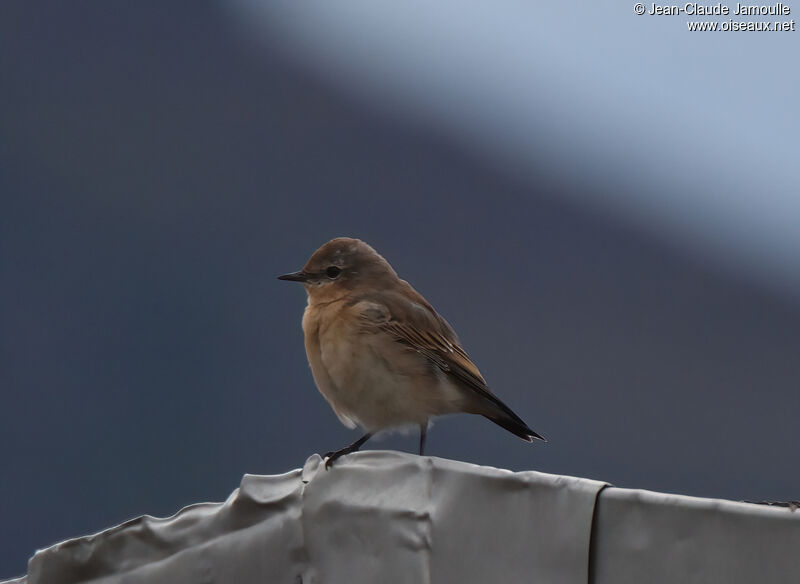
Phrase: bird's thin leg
pixel 332 456
pixel 423 433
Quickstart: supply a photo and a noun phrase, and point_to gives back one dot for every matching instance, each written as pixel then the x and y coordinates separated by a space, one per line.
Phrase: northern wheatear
pixel 380 354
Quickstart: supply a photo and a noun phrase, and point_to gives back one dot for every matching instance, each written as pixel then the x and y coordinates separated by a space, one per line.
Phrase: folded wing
pixel 410 320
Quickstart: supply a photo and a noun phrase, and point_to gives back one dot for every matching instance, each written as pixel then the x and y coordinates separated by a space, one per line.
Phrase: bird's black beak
pixel 300 276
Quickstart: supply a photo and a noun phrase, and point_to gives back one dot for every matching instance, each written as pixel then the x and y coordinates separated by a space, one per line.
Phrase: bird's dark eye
pixel 333 272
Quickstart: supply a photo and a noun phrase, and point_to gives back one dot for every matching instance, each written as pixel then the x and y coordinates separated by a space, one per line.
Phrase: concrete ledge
pixel 383 516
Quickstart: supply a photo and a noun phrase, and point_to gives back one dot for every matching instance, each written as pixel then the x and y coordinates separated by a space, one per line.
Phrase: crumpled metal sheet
pixel 239 540
pixel 377 516
pixel 641 536
pixel 391 517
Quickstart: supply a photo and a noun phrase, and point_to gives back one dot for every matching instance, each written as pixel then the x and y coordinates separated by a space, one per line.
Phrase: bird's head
pixel 341 266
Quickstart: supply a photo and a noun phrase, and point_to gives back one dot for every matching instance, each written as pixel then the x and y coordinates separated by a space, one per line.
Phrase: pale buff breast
pixel 368 377
pixel 325 385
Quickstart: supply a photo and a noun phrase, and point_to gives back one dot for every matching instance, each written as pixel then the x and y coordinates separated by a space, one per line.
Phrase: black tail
pixel 512 422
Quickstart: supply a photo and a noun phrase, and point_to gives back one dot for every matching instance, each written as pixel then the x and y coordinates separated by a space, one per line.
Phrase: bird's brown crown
pixel 343 264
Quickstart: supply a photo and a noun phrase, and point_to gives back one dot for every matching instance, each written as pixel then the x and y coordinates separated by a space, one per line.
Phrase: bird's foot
pixel 331 457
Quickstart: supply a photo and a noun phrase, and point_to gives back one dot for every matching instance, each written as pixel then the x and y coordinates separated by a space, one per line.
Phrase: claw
pixel 332 456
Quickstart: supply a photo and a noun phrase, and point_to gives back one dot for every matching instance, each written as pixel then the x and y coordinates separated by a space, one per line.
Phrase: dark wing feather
pixel 412 321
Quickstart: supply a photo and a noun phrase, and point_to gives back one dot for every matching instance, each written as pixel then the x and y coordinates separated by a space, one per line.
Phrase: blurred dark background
pixel 159 169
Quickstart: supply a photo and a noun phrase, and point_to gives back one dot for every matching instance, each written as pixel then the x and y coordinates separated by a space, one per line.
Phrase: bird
pixel 379 352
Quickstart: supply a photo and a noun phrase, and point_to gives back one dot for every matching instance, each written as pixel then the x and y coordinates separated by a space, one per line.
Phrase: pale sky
pixel 699 131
